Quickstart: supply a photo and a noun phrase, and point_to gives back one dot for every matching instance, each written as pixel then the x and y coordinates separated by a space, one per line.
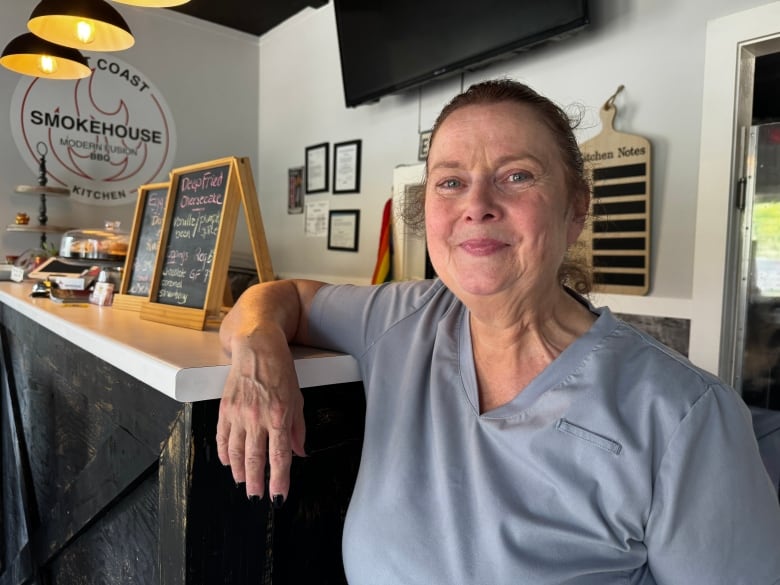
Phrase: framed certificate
pixel 343 229
pixel 346 167
pixel 317 168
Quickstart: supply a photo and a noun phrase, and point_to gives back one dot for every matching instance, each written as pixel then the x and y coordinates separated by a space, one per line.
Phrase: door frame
pixel 732 44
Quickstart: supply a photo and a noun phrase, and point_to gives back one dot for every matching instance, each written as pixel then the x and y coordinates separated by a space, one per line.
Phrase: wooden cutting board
pixel 616 240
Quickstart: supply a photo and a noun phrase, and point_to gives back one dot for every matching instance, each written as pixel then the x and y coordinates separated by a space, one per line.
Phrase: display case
pixel 108 244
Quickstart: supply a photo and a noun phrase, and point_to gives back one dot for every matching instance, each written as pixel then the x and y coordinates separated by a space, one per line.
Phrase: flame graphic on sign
pixel 73 161
pixel 86 106
pixel 105 135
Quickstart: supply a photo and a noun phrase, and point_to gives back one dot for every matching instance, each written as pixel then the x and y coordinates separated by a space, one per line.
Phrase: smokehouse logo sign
pixel 106 135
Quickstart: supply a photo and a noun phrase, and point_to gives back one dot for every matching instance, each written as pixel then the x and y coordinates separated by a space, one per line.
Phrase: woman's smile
pixel 482 246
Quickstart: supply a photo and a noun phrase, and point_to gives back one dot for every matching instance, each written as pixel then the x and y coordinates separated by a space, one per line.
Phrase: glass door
pixel 757 367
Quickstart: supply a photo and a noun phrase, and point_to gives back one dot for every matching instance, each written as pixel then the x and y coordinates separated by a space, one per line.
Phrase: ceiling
pixel 250 16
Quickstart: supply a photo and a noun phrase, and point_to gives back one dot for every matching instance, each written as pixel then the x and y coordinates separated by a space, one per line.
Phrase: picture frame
pixel 346 166
pixel 317 167
pixel 424 145
pixel 343 229
pixel 295 190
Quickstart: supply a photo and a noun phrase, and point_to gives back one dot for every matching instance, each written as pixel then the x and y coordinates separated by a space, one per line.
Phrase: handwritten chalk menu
pixel 142 251
pixel 189 251
pixel 195 243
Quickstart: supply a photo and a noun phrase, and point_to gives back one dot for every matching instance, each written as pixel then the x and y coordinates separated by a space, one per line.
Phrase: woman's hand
pixel 261 414
pixel 261 411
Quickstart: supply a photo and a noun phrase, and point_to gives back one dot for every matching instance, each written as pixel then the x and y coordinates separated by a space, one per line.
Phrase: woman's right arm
pixel 261 410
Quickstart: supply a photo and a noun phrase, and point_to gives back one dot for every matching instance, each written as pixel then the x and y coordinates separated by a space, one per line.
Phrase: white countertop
pixel 185 364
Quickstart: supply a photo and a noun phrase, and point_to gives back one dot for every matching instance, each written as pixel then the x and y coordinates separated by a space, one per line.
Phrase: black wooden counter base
pixel 107 481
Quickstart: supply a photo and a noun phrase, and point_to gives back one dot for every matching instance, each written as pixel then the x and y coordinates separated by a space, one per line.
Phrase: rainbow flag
pixel 383 271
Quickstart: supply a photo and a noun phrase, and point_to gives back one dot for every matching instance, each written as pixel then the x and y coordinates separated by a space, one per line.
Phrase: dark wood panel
pixel 233 531
pixel 90 436
pixel 105 480
pixel 308 528
pixel 19 512
pixel 83 402
pixel 120 548
pixel 119 462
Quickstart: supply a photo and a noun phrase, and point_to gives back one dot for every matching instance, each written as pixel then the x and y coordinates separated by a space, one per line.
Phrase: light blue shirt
pixel 620 463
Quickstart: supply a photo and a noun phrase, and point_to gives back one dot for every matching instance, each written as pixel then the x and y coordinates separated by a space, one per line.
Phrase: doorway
pixel 757 367
pixel 733 45
pixel 754 271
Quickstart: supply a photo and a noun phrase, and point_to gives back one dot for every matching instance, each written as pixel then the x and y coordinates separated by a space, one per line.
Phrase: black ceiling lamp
pixel 92 25
pixel 59 28
pixel 29 54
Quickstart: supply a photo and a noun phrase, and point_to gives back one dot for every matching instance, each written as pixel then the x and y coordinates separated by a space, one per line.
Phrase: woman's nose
pixel 481 202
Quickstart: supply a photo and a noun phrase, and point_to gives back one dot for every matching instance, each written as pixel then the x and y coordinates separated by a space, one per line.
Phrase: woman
pixel 514 433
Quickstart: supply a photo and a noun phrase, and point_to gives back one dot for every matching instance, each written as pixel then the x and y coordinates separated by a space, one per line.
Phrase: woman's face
pixel 498 214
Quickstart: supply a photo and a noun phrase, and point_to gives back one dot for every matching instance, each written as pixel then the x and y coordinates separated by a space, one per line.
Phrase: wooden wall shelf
pixel 38 190
pixel 41 229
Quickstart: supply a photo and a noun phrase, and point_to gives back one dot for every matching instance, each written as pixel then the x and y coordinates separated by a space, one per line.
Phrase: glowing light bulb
pixel 85 31
pixel 47 64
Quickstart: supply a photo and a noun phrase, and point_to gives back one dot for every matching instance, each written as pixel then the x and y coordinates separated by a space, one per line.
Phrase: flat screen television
pixel 388 46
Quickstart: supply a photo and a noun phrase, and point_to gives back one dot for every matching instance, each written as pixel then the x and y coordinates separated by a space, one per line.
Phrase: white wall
pixel 215 115
pixel 271 98
pixel 655 49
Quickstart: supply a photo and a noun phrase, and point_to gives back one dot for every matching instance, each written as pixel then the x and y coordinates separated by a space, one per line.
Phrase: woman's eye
pixel 515 182
pixel 450 184
pixel 519 177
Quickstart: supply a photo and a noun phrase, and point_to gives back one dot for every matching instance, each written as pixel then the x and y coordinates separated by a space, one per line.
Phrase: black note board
pixel 143 245
pixel 189 287
pixel 195 244
pixel 188 255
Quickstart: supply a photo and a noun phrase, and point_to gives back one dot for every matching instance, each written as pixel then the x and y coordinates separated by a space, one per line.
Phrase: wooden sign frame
pixel 238 193
pixel 254 220
pixel 616 242
pixel 126 298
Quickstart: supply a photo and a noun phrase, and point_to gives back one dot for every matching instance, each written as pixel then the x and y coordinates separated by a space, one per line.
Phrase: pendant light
pixel 31 55
pixel 153 3
pixel 92 25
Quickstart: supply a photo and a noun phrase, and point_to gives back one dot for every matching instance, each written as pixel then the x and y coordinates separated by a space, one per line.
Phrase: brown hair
pixel 574 271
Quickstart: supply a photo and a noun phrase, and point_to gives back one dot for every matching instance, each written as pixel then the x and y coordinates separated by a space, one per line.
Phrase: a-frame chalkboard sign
pixel 196 241
pixel 142 248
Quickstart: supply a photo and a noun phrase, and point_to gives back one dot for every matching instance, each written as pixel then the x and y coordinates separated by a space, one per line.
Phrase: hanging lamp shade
pixel 31 55
pixel 153 3
pixel 92 25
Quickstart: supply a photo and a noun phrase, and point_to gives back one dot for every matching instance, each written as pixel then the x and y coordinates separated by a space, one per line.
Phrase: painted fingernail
pixel 255 499
pixel 278 501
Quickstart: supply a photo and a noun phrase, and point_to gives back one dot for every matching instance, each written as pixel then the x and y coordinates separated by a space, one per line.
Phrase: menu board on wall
pixel 616 242
pixel 195 243
pixel 142 249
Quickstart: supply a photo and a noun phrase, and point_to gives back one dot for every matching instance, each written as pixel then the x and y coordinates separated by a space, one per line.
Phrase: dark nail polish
pixel 278 501
pixel 255 499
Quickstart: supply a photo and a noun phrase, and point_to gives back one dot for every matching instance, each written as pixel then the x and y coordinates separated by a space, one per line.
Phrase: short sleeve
pixel 350 318
pixel 715 517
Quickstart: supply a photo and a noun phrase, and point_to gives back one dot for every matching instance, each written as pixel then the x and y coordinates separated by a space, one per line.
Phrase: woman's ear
pixel 579 214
